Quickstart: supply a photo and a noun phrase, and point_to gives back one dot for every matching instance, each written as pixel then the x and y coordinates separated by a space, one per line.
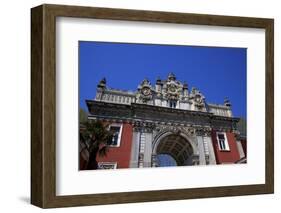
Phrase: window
pixel 173 104
pixel 107 165
pixel 222 141
pixel 116 130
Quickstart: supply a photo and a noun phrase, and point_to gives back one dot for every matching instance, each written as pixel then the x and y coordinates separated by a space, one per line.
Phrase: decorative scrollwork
pixel 175 129
pixel 203 131
pixel 145 92
pixel 142 126
pixel 172 90
pixel 198 98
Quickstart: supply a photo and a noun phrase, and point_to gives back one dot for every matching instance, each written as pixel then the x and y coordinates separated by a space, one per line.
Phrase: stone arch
pixel 181 147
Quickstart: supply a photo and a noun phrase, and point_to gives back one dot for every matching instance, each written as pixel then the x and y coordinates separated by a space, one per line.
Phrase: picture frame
pixel 43 105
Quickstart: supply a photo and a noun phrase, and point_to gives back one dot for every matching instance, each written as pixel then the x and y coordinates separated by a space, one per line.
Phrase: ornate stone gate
pixel 166 118
pixel 186 145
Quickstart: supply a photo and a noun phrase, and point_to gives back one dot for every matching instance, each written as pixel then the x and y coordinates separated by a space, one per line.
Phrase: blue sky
pixel 217 72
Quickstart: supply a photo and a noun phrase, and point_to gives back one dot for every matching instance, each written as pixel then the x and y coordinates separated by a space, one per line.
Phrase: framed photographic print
pixel 137 106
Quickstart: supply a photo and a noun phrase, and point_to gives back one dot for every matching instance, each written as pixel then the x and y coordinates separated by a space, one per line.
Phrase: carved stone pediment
pixel 145 92
pixel 197 98
pixel 199 101
pixel 172 90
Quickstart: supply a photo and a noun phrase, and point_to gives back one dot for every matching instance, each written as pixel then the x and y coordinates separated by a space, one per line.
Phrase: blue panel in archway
pixel 165 160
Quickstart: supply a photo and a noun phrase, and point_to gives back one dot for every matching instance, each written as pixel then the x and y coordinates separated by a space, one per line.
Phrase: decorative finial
pixel 185 85
pixel 171 76
pixel 145 81
pixel 103 80
pixel 193 90
pixel 158 81
pixel 102 83
pixel 227 102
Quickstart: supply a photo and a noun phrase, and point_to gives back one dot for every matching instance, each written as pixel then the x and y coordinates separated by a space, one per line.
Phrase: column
pixel 240 149
pixel 135 150
pixel 147 149
pixel 202 160
pixel 154 160
pixel 212 157
pixel 141 149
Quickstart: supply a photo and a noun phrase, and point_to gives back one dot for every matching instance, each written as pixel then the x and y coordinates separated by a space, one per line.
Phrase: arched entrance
pixel 173 149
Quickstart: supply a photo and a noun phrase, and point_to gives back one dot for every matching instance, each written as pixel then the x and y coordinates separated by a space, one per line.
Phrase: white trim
pixel 108 163
pixel 225 141
pixel 119 135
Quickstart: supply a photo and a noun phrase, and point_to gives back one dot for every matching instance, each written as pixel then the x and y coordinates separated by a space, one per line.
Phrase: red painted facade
pixel 121 154
pixel 223 156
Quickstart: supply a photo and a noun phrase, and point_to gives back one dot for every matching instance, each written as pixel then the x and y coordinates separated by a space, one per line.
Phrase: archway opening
pixel 165 160
pixel 174 150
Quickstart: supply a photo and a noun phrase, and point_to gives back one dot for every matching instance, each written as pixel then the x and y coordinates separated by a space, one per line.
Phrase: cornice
pixel 145 117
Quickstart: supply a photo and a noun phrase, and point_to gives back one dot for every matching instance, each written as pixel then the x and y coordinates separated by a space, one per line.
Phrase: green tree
pixel 95 136
pixel 83 116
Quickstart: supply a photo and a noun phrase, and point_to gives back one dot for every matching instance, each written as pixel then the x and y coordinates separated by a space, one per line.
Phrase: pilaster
pixel 148 149
pixel 202 160
pixel 135 150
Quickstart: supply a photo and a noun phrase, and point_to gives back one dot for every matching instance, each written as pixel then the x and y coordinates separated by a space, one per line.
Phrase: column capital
pixel 203 131
pixel 143 126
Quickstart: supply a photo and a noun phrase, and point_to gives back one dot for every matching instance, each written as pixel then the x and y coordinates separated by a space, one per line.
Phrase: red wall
pixel 230 156
pixel 121 154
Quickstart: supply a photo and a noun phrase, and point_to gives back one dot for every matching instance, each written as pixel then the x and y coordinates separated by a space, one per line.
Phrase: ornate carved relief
pixel 198 98
pixel 172 89
pixel 203 131
pixel 146 118
pixel 168 92
pixel 142 126
pixel 145 92
pixel 175 129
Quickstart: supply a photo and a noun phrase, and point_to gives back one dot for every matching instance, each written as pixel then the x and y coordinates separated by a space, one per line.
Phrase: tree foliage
pixel 83 116
pixel 95 136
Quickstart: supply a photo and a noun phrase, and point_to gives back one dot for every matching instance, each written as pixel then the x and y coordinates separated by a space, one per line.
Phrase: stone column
pixel 154 160
pixel 142 144
pixel 135 150
pixel 205 144
pixel 209 143
pixel 141 150
pixel 206 150
pixel 202 160
pixel 147 149
pixel 240 149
